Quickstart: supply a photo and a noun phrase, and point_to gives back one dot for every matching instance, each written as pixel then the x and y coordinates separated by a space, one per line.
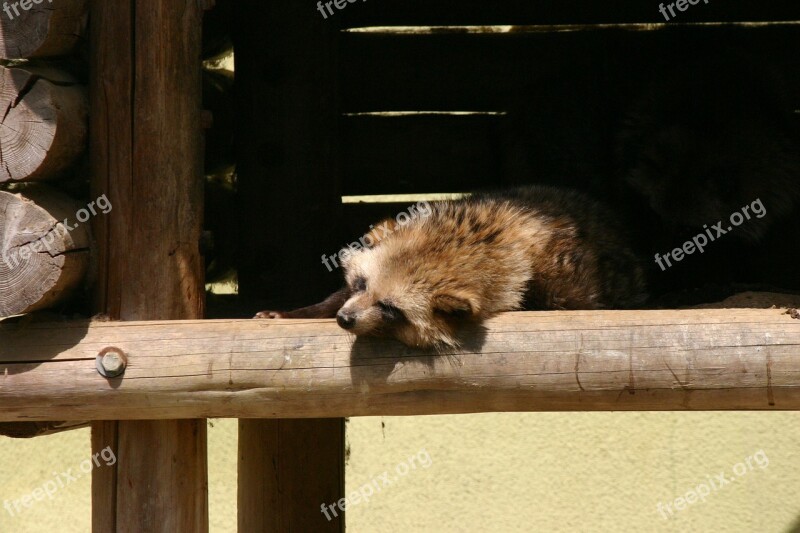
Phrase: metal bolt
pixel 111 362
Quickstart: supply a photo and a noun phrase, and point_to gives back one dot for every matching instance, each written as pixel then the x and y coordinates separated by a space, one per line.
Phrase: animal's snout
pixel 345 320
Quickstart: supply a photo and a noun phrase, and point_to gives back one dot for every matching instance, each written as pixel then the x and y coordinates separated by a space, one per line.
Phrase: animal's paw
pixel 269 314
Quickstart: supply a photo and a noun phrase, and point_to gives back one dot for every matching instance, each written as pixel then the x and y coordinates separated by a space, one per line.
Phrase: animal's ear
pixel 456 305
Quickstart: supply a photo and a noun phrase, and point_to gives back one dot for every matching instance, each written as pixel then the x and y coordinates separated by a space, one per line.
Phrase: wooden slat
pixel 481 12
pixel 563 28
pixel 450 72
pixel 545 361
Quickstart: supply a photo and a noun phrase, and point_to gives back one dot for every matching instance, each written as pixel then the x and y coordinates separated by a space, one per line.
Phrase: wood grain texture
pixel 295 470
pixel 544 361
pixel 43 128
pixel 146 155
pixel 43 261
pixel 48 28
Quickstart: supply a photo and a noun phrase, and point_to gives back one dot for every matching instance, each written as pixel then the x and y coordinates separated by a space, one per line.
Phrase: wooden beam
pixel 545 361
pixel 146 152
pixel 279 474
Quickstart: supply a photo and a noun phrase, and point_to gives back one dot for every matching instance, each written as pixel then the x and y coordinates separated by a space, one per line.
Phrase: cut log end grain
pixel 42 261
pixel 43 123
pixel 47 29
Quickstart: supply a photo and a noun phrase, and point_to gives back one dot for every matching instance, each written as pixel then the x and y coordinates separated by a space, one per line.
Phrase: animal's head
pixel 409 287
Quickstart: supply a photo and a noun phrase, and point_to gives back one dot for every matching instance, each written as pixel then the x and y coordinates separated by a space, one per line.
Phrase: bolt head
pixel 111 362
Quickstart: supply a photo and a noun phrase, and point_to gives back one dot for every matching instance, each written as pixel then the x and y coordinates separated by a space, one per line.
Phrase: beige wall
pixel 577 472
pixel 28 464
pixel 497 473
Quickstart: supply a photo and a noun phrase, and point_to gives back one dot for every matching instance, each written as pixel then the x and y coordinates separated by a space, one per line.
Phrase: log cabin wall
pixel 43 136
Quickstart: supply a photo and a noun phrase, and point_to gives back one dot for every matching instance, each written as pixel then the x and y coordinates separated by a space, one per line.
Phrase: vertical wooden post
pixel 146 152
pixel 287 470
pixel 290 207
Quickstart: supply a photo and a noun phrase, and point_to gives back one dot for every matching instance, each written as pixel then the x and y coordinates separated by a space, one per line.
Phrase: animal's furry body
pixel 529 248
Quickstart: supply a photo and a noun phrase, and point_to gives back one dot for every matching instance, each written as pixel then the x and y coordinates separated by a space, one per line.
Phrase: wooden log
pixel 147 156
pixel 44 250
pixel 31 28
pixel 44 125
pixel 534 361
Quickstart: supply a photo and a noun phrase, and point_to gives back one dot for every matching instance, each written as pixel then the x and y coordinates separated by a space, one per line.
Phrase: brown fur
pixel 531 248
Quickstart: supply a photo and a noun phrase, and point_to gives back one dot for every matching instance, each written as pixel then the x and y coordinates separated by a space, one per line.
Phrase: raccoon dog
pixel 528 248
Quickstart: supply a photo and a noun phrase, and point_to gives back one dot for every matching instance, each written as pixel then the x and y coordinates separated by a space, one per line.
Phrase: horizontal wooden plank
pixel 545 361
pixel 561 28
pixel 481 12
pixel 395 198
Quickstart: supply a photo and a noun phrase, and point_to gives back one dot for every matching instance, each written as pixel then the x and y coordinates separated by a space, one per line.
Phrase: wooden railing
pixel 546 361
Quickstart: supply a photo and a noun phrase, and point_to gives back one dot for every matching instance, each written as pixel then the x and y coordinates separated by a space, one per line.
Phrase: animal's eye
pixel 390 313
pixel 359 285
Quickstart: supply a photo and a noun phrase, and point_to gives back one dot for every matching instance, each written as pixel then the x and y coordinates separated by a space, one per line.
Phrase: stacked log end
pixel 41 28
pixel 43 123
pixel 44 249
